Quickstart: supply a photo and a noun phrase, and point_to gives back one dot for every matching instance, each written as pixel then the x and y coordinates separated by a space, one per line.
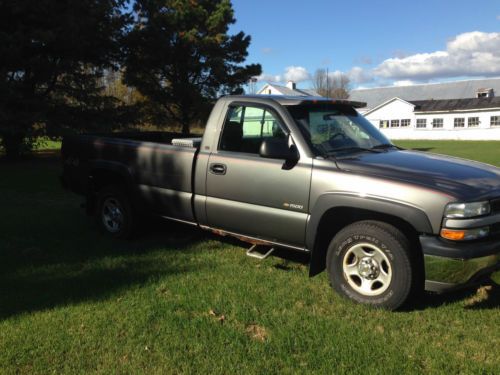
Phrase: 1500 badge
pixel 293 205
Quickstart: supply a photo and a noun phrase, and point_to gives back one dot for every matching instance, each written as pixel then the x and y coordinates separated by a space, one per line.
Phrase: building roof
pixel 455 104
pixel 288 91
pixel 448 90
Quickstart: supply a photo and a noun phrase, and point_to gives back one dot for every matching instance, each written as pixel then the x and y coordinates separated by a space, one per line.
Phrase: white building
pixel 290 90
pixel 464 110
pixel 463 119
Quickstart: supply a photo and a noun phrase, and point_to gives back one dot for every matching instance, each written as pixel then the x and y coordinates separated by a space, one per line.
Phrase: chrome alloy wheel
pixel 367 269
pixel 112 215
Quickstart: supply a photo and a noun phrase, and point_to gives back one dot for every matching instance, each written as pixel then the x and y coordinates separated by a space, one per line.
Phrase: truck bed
pixel 160 171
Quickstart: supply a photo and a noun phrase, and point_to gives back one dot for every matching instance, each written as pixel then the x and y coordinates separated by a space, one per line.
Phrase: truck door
pixel 251 195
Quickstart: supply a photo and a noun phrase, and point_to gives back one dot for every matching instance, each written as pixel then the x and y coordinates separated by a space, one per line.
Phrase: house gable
pixel 390 108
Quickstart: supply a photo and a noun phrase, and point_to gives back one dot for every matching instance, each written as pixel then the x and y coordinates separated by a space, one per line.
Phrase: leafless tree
pixel 331 85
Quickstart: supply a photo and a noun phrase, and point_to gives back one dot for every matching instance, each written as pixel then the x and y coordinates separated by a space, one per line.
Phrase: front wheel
pixel 370 262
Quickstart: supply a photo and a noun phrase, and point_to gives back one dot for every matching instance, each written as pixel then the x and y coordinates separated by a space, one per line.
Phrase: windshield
pixel 336 129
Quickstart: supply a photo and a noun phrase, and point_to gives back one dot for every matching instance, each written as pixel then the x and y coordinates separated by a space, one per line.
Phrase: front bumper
pixel 450 265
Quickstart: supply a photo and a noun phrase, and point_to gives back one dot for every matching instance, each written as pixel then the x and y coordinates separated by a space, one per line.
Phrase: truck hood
pixel 464 179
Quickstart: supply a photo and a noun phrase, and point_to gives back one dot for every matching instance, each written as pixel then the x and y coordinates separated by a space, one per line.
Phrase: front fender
pixel 410 214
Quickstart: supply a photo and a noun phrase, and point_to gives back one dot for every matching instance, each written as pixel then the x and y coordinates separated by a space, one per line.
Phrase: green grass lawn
pixel 46 143
pixel 485 151
pixel 41 146
pixel 177 300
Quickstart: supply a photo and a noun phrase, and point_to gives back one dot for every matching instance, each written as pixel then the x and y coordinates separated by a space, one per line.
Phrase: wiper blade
pixel 354 148
pixel 383 145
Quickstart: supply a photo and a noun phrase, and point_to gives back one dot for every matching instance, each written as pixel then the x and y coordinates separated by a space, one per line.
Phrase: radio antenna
pixel 327 85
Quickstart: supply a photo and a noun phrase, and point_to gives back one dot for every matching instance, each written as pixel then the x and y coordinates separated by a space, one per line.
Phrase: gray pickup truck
pixel 306 174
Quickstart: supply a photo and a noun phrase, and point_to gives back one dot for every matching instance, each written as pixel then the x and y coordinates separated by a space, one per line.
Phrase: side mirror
pixel 277 148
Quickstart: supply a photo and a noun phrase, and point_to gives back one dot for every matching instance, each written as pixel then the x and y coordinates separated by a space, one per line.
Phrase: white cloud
pixel 267 50
pixel 470 54
pixel 498 17
pixel 291 73
pixel 269 78
pixel 475 41
pixel 359 75
pixel 296 74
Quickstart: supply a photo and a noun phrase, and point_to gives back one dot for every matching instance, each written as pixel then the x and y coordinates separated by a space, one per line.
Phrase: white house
pixel 451 110
pixel 460 119
pixel 290 90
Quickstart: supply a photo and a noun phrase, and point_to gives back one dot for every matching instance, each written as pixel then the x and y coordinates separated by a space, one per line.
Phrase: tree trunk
pixel 185 128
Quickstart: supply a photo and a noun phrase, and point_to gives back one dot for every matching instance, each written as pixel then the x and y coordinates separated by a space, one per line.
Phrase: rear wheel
pixel 115 215
pixel 370 262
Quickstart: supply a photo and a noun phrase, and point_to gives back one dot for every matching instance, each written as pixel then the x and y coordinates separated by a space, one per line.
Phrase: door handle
pixel 217 168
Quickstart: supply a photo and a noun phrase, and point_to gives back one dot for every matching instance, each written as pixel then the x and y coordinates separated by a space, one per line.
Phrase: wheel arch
pixel 334 212
pixel 104 173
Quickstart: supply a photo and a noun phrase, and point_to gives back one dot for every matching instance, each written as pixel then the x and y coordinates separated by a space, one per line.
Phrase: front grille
pixel 495 205
pixel 495 230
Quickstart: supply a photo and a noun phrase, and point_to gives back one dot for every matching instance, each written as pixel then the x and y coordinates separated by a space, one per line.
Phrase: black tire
pixel 119 223
pixel 371 262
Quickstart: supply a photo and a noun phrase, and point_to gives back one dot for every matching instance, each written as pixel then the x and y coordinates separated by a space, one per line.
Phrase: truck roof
pixel 298 100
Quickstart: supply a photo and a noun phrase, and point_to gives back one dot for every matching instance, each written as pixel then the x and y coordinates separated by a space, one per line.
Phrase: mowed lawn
pixel 178 300
pixel 485 151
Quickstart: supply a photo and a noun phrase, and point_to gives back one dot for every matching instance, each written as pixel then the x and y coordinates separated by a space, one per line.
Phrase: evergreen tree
pixel 53 53
pixel 181 57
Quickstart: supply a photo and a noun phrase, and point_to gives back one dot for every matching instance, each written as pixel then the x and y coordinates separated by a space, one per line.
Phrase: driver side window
pixel 246 127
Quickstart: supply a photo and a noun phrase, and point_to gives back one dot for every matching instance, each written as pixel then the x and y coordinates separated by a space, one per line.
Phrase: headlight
pixel 465 210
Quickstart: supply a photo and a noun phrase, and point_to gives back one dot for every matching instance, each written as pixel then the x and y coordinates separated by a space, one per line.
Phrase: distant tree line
pixel 69 66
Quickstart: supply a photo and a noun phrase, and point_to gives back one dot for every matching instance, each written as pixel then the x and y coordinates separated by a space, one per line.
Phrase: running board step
pixel 255 253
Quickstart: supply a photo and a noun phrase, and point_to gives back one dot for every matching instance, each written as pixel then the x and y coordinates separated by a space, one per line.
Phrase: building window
pixel 269 91
pixel 473 122
pixel 485 93
pixel 421 123
pixel 405 123
pixel 437 123
pixel 459 122
pixel 384 124
pixel 394 123
pixel 495 121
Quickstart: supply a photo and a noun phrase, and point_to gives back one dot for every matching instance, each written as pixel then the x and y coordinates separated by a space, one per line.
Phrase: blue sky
pixel 374 42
